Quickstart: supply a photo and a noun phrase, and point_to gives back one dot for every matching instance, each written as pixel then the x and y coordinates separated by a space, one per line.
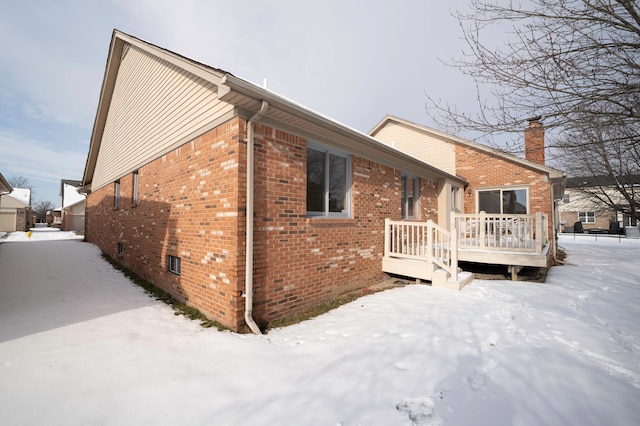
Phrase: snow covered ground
pixel 81 345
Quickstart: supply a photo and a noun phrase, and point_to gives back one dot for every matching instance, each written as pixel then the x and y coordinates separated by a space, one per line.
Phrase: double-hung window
pixel 587 217
pixel 504 200
pixel 328 182
pixel 410 195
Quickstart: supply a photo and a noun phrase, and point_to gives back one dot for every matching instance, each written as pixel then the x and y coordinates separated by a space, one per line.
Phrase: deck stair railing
pixel 425 241
pixel 517 232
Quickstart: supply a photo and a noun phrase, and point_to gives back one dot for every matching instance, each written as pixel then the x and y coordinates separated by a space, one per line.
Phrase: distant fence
pixel 594 236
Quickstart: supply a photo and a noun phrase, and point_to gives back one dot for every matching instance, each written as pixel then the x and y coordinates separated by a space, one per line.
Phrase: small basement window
pixel 120 248
pixel 173 263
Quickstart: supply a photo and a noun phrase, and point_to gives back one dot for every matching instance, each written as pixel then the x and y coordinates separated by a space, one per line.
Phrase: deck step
pixel 442 279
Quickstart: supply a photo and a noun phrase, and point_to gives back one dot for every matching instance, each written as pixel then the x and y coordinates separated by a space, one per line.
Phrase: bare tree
pixel 610 167
pixel 567 60
pixel 20 182
pixel 41 208
pixel 575 62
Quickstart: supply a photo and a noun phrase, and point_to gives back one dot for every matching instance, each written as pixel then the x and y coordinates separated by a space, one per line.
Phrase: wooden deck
pixel 513 240
pixel 424 250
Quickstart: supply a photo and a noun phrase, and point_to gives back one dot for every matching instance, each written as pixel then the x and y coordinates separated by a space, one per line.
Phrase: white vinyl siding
pixel 155 108
pixel 427 148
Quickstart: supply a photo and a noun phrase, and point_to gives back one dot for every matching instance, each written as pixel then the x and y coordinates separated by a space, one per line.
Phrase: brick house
pixel 235 200
pixel 5 189
pixel 498 184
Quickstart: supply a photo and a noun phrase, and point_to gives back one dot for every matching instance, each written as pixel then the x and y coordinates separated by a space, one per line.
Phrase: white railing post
pixel 430 247
pixel 453 247
pixel 387 237
pixel 539 232
pixel 482 223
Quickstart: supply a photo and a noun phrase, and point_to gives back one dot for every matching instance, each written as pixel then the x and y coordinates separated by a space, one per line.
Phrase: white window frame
pixel 116 194
pixel 174 264
pixel 135 188
pixel 346 212
pixel 502 189
pixel 405 179
pixel 585 216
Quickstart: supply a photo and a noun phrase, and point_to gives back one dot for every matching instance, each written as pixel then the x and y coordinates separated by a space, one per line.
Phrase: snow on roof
pixel 70 195
pixel 21 194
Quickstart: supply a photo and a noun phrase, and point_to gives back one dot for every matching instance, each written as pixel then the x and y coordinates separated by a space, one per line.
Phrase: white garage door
pixel 7 221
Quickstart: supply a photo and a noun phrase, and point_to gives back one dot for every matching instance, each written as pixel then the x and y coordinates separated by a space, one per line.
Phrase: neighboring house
pixel 238 201
pixel 5 189
pixel 15 210
pixel 73 206
pixel 595 215
pixel 509 189
pixel 54 217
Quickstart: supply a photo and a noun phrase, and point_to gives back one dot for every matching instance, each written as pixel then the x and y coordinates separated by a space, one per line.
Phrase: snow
pixel 22 195
pixel 71 195
pixel 80 344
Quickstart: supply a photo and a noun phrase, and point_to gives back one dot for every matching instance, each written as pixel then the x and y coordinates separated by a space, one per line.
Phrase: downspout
pixel 248 273
pixel 555 208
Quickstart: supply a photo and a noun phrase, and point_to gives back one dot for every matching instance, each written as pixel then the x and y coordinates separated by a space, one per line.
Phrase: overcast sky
pixel 354 61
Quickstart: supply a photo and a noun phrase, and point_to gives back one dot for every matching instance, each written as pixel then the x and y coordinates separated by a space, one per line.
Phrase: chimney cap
pixel 534 119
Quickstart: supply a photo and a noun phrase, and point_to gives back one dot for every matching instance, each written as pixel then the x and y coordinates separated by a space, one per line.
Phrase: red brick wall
pixel 188 207
pixel 301 262
pixel 483 170
pixel 192 205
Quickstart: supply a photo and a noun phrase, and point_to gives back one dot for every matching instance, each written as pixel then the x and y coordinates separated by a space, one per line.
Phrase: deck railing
pixel 421 241
pixel 517 232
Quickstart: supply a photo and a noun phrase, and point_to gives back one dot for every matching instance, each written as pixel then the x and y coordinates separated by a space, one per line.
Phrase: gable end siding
pixel 432 150
pixel 155 107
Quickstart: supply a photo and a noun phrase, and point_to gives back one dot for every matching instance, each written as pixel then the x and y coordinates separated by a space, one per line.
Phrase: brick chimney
pixel 534 141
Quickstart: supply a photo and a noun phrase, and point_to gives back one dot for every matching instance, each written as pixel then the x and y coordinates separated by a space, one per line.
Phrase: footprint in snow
pixel 401 366
pixel 421 411
pixel 490 343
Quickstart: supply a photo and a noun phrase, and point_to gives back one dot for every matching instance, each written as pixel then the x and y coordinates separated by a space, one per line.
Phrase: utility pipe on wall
pixel 248 273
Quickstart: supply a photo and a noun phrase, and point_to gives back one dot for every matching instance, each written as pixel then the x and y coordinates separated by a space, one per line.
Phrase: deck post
pixel 453 244
pixel 430 247
pixel 387 237
pixel 483 229
pixel 539 232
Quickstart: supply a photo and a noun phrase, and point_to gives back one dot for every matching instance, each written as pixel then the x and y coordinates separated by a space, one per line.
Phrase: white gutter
pixel 248 272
